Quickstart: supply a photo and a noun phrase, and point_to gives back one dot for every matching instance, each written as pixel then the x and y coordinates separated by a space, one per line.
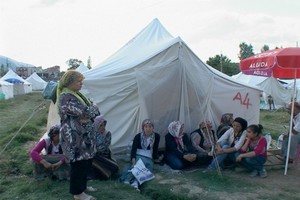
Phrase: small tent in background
pixel 36 81
pixel 82 68
pixel 7 89
pixel 21 86
pixel 158 76
pixel 281 93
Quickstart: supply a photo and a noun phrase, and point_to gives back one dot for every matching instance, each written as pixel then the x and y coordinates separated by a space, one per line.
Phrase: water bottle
pixel 129 147
pixel 279 141
pixel 269 140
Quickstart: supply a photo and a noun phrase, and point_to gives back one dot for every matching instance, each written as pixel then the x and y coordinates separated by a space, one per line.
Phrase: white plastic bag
pixel 141 173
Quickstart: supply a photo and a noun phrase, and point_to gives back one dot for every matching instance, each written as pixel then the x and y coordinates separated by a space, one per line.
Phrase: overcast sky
pixel 49 32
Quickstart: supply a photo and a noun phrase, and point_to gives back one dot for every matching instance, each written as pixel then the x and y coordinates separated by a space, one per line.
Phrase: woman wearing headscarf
pixel 52 162
pixel 203 140
pixel 178 148
pixel 77 114
pixel 103 164
pixel 230 142
pixel 225 124
pixel 145 147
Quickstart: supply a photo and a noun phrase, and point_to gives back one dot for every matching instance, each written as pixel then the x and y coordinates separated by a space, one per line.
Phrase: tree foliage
pixel 223 64
pixel 245 51
pixel 265 48
pixel 73 63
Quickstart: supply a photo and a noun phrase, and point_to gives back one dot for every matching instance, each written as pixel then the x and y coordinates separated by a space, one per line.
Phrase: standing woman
pixel 253 153
pixel 77 136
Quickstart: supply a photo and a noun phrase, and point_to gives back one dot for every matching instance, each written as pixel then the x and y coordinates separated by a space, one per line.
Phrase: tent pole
pixel 291 125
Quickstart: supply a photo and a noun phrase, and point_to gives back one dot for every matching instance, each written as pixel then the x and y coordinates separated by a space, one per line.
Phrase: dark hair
pixel 54 130
pixel 256 128
pixel 243 123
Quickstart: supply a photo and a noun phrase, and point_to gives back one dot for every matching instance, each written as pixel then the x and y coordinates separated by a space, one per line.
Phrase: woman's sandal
pixel 84 196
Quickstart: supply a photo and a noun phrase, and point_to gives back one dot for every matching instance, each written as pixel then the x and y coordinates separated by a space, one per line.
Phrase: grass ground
pixel 17 182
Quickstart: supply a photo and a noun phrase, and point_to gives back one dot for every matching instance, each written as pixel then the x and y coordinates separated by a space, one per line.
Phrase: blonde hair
pixel 67 79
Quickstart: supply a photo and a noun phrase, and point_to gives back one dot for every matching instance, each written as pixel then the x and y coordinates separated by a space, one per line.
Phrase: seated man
pixel 52 162
pixel 295 137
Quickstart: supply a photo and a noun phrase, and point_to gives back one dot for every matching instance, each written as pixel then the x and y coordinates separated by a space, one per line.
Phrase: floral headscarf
pixel 227 119
pixel 147 142
pixel 54 130
pixel 98 121
pixel 174 130
pixel 205 124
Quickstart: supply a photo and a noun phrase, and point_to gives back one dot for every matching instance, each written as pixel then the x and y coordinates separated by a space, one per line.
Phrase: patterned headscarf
pixel 147 142
pixel 174 128
pixel 147 121
pixel 205 124
pixel 227 119
pixel 54 130
pixel 98 121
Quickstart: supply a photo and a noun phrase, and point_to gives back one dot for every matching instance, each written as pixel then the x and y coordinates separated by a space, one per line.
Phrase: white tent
pixel 82 68
pixel 280 93
pixel 36 81
pixel 7 89
pixel 157 76
pixel 21 86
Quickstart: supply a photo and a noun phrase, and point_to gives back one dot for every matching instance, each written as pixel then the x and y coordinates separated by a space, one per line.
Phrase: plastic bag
pixel 50 91
pixel 141 173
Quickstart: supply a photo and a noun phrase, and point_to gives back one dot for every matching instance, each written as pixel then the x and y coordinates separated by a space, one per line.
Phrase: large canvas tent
pixel 21 86
pixel 36 81
pixel 7 89
pixel 281 93
pixel 82 68
pixel 158 76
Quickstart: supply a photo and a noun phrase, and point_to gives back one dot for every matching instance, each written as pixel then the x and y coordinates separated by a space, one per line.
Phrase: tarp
pixel 158 76
pixel 281 93
pixel 19 88
pixel 36 81
pixel 7 89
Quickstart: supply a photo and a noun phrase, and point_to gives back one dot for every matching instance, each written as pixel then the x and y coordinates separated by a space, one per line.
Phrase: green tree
pixel 73 63
pixel 265 48
pixel 89 63
pixel 223 64
pixel 245 51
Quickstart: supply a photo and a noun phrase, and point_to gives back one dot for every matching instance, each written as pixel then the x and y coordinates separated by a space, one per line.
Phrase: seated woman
pixel 229 143
pixel 253 153
pixel 103 165
pixel 203 141
pixel 225 124
pixel 178 149
pixel 52 163
pixel 145 147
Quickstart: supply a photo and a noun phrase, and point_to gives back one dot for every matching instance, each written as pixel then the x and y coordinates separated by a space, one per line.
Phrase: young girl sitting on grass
pixel 253 153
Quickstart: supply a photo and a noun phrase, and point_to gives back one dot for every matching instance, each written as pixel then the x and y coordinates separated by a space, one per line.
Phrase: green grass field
pixel 17 182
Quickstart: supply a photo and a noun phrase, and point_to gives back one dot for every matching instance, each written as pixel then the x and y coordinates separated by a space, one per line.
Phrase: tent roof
pixel 3 82
pixel 82 68
pixel 35 77
pixel 12 74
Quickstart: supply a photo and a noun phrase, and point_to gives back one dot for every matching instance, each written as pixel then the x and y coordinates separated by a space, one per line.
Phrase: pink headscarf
pixel 174 130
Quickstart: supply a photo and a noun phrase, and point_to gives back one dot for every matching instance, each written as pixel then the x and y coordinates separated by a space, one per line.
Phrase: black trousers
pixel 78 176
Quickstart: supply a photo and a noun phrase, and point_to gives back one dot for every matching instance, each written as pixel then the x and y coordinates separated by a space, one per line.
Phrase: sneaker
pixel 135 184
pixel 263 173
pixel 253 173
pixel 208 170
pixel 90 189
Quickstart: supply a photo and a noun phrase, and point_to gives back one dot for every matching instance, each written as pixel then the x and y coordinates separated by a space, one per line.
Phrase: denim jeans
pixel 219 159
pixel 253 163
